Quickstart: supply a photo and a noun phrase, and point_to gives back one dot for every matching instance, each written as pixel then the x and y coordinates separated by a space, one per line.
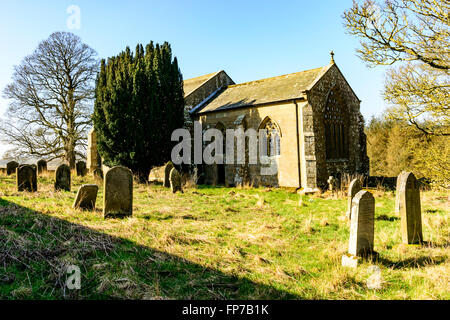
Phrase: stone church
pixel 315 115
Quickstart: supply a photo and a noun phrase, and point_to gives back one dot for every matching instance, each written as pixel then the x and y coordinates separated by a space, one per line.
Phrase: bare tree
pixel 51 99
pixel 415 34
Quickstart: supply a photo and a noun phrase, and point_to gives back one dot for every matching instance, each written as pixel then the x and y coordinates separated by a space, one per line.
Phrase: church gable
pixel 198 89
pixel 338 126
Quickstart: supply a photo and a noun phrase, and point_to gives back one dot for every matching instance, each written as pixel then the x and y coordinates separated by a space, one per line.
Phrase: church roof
pixel 276 89
pixel 190 85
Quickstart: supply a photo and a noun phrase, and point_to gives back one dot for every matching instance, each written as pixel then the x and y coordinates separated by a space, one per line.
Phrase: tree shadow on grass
pixel 36 250
pixel 411 263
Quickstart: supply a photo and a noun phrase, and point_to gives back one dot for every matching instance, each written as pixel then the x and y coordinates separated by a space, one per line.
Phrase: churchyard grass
pixel 212 243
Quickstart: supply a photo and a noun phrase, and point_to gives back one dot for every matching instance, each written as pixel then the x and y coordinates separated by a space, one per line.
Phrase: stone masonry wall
pixel 357 159
pixel 287 162
pixel 200 94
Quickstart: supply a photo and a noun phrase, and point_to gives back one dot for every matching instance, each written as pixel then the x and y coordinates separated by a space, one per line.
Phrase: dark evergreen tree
pixel 139 102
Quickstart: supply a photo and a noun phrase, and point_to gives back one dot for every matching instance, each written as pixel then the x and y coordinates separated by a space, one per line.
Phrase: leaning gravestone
pixel 11 167
pixel 26 178
pixel 408 206
pixel 167 168
pixel 81 168
pixel 62 178
pixel 361 228
pixel 86 197
pixel 354 187
pixel 175 181
pixel 41 166
pixel 118 192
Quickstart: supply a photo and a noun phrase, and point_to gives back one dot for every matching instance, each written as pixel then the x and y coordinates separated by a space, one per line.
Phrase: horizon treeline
pixel 395 145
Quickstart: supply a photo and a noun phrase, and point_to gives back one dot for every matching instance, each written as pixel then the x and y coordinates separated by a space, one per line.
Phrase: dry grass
pixel 216 243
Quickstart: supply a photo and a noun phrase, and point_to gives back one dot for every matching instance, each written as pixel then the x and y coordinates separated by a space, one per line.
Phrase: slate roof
pixel 281 88
pixel 190 85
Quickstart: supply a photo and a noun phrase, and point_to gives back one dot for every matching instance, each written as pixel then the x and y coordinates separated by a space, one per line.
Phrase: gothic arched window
pixel 273 137
pixel 336 126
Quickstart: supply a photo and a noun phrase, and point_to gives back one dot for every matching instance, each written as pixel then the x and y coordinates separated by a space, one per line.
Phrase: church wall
pixel 288 162
pixel 203 92
pixel 317 98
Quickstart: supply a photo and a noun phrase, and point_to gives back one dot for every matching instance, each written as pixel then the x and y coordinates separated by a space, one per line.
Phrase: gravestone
pixel 26 178
pixel 98 173
pixel 354 187
pixel 94 160
pixel 397 194
pixel 175 181
pixel 62 177
pixel 409 209
pixel 41 166
pixel 331 183
pixel 361 228
pixel 11 167
pixel 167 168
pixel 118 192
pixel 86 197
pixel 81 168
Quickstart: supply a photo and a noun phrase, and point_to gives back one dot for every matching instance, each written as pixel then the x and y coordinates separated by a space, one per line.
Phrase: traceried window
pixel 273 138
pixel 336 127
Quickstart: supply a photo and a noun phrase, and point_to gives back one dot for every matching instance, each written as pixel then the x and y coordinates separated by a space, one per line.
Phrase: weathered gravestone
pixel 94 160
pixel 26 178
pixel 62 177
pixel 354 187
pixel 41 166
pixel 175 181
pixel 331 183
pixel 361 228
pixel 167 168
pixel 397 194
pixel 408 206
pixel 86 197
pixel 118 192
pixel 11 167
pixel 81 168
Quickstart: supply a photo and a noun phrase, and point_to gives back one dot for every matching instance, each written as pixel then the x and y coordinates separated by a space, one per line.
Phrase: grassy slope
pixel 211 243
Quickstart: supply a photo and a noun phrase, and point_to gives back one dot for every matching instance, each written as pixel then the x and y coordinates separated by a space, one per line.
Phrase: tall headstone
pixel 409 209
pixel 175 181
pixel 86 197
pixel 11 167
pixel 93 158
pixel 26 178
pixel 397 194
pixel 167 168
pixel 81 168
pixel 62 177
pixel 118 192
pixel 331 183
pixel 354 187
pixel 41 166
pixel 361 228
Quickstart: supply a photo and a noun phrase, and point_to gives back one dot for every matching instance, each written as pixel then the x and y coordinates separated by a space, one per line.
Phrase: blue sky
pixel 250 39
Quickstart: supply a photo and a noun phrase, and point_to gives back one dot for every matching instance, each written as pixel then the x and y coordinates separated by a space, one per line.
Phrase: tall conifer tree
pixel 139 102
